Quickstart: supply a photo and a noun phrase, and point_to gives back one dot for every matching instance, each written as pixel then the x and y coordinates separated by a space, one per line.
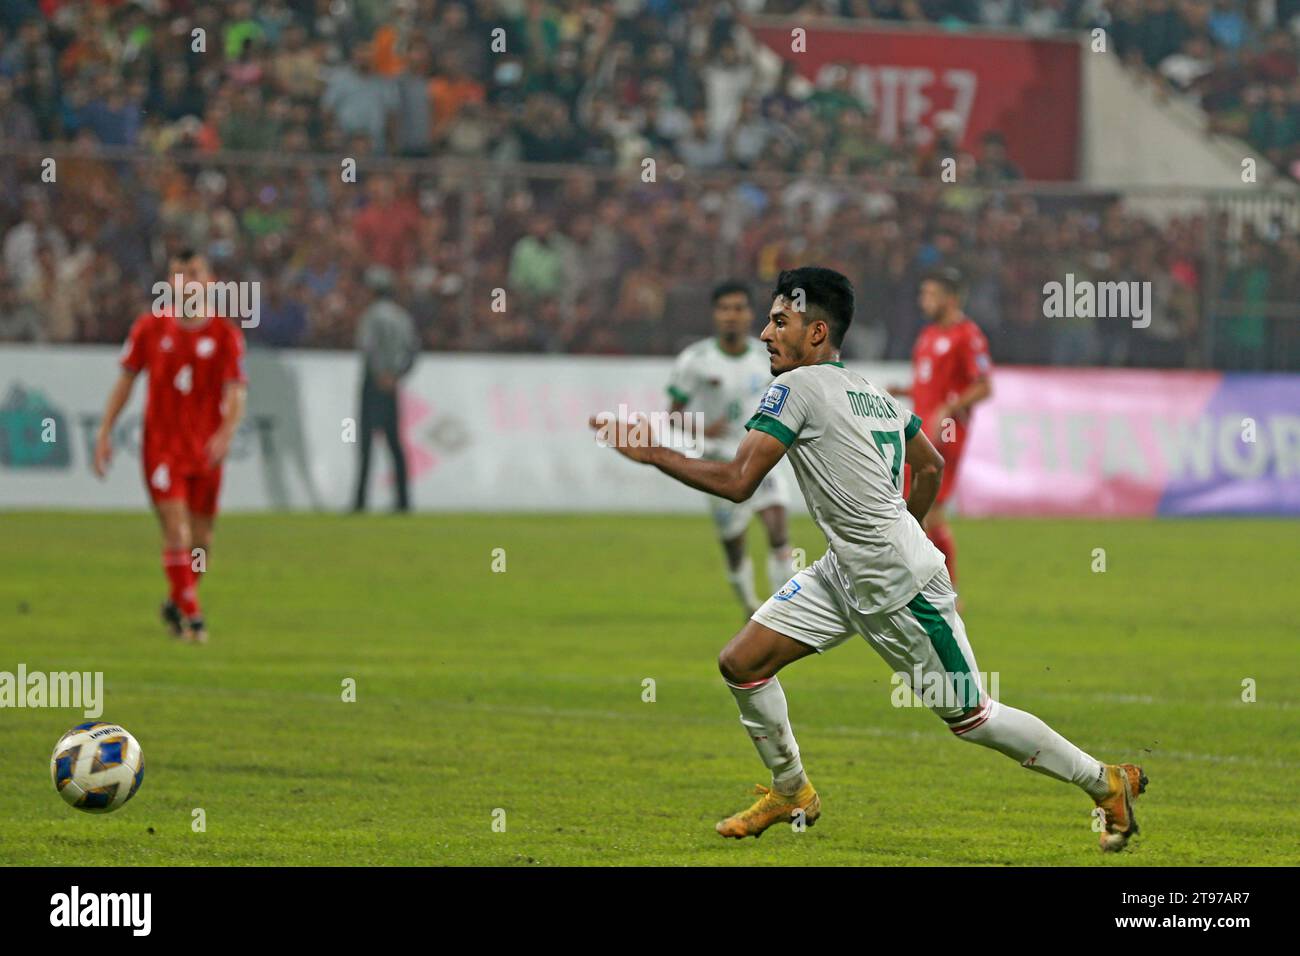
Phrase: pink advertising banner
pixel 1118 442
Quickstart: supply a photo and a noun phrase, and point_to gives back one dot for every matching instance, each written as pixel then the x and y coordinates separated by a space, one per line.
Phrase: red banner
pixel 1026 89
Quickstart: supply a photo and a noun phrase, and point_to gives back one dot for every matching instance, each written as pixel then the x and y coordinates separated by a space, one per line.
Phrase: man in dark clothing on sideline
pixel 388 343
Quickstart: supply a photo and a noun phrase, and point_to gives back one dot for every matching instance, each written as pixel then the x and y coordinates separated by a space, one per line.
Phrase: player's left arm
pixel 735 480
pixel 980 369
pixel 234 400
pixel 978 390
pixel 926 465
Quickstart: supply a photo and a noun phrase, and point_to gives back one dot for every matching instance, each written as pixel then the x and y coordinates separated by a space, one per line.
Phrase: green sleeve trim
pixel 766 423
pixel 913 426
pixel 677 395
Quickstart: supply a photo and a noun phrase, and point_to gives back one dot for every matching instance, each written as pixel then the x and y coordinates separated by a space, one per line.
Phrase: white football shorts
pixel 924 642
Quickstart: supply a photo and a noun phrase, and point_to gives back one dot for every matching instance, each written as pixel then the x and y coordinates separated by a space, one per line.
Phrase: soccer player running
pixel 881 577
pixel 193 407
pixel 950 375
pixel 722 377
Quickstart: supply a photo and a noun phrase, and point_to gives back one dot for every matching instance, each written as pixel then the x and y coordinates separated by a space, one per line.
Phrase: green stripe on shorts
pixel 945 645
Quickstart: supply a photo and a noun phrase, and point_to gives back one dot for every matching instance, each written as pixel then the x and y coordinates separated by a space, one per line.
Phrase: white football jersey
pixel 846 442
pixel 719 385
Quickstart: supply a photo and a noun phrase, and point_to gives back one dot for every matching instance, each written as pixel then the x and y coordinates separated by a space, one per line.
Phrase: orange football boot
pixel 1126 782
pixel 772 808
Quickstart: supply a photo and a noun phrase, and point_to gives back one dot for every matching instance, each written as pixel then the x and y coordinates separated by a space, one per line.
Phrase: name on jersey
pixel 867 405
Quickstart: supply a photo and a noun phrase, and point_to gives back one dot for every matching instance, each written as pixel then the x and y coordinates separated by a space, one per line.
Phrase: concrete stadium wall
pixel 1134 137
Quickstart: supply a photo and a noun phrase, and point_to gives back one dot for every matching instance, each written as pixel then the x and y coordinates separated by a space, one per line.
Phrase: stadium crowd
pixel 764 169
pixel 578 80
pixel 598 264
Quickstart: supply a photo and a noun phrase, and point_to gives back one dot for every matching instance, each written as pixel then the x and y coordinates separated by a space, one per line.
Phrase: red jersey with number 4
pixel 188 368
pixel 947 360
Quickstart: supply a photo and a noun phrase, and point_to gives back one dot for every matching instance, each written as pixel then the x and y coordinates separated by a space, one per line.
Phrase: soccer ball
pixel 97 766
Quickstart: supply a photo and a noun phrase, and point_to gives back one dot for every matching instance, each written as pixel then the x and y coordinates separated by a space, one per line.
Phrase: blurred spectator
pixel 450 90
pixel 386 228
pixel 17 124
pixel 537 262
pixel 48 295
pixel 24 240
pixel 414 105
pixel 20 320
pixel 1184 68
pixel 702 147
pixel 359 100
pixel 994 166
pixel 283 319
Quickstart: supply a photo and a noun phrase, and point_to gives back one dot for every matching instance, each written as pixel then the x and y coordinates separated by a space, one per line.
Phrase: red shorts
pixel 168 480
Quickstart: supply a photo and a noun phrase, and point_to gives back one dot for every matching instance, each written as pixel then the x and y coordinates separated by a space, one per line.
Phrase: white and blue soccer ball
pixel 97 766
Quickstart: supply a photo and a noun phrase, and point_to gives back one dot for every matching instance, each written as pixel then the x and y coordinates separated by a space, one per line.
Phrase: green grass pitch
pixel 522 692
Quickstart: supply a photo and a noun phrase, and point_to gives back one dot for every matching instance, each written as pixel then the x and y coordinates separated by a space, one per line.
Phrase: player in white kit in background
pixel 722 378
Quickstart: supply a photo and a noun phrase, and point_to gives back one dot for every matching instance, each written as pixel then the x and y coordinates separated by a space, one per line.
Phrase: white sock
pixel 779 567
pixel 742 582
pixel 764 716
pixel 1032 743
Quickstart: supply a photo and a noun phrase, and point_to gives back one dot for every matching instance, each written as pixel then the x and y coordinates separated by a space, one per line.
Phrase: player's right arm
pixel 134 356
pixel 117 399
pixel 780 416
pixel 735 480
pixel 927 474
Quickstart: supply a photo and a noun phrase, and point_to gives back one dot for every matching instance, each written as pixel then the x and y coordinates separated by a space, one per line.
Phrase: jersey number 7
pixel 891 448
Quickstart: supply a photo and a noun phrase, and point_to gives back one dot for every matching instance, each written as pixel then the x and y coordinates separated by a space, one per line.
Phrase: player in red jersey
pixel 950 374
pixel 193 406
